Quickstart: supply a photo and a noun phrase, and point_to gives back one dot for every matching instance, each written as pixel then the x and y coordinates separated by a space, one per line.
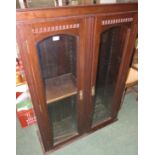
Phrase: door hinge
pixel 93 91
pixel 81 94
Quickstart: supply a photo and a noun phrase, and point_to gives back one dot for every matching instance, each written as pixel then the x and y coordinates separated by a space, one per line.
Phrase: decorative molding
pixel 37 30
pixel 116 21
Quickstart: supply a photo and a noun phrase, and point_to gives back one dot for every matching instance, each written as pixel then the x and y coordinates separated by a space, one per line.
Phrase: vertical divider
pixel 80 80
pixel 89 22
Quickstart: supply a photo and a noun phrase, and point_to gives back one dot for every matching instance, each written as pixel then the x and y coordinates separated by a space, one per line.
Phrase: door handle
pixel 93 91
pixel 81 94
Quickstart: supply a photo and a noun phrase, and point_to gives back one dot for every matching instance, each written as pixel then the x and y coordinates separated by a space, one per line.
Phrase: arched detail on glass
pixel 57 55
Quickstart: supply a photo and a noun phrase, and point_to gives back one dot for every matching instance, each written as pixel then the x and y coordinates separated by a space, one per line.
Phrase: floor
pixel 119 138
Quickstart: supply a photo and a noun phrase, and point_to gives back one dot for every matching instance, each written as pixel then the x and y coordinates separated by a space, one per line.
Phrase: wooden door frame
pixel 125 60
pixel 27 52
pixel 124 68
pixel 26 41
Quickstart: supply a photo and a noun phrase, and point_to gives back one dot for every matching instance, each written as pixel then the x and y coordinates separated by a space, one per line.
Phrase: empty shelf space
pixel 60 87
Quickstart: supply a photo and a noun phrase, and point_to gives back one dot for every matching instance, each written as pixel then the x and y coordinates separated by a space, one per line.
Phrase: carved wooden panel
pixel 45 29
pixel 116 21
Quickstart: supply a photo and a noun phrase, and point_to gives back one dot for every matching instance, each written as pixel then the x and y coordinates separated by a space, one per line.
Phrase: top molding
pixel 31 14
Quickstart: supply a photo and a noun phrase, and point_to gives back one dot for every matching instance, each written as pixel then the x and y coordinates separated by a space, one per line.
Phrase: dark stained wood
pixel 90 22
pixel 98 30
pixel 124 68
pixel 28 56
pixel 81 72
pixel 78 74
pixel 27 41
pixel 78 10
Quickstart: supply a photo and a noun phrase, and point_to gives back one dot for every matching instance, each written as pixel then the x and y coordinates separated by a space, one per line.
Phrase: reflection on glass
pixel 110 53
pixel 57 58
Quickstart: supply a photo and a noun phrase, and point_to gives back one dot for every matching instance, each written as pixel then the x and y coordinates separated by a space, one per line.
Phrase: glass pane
pixel 57 57
pixel 110 53
pixel 62 116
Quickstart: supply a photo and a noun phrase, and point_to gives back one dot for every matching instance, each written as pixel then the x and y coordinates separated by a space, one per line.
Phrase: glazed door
pixel 58 59
pixel 55 55
pixel 112 37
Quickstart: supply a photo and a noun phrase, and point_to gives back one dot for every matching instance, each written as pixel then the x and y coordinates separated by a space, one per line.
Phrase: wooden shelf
pixel 60 87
